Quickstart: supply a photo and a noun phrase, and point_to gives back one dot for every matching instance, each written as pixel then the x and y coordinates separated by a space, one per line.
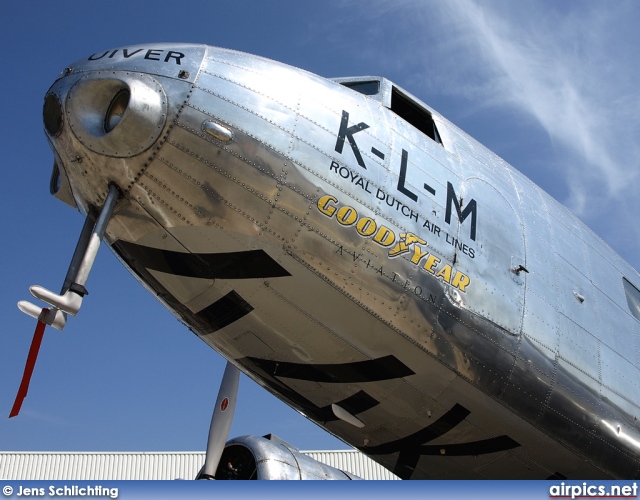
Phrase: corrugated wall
pixel 99 466
pixel 156 465
pixel 352 461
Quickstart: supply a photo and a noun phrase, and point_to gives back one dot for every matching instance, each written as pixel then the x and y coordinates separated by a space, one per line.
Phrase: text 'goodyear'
pixel 405 243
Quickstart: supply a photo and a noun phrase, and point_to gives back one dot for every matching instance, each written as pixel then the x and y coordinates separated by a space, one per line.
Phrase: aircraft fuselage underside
pixel 340 257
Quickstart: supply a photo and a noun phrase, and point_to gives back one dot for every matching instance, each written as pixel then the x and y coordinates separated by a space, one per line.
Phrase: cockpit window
pixel 633 298
pixel 397 100
pixel 414 114
pixel 366 88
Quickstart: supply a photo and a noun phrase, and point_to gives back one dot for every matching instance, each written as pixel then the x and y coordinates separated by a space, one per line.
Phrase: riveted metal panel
pixel 531 378
pixel 159 59
pixel 258 188
pixel 497 292
pixel 575 294
pixel 623 337
pixel 578 347
pixel 540 323
pixel 319 121
pixel 471 151
pixel 618 372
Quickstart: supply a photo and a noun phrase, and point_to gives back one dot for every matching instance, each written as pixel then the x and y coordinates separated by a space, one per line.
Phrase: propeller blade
pixel 31 362
pixel 221 421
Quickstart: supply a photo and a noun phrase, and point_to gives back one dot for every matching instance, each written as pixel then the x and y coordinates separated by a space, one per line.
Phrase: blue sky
pixel 549 86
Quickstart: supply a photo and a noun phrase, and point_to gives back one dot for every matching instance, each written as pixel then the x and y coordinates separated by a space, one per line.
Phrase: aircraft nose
pixel 117 115
pixel 107 115
pixel 52 115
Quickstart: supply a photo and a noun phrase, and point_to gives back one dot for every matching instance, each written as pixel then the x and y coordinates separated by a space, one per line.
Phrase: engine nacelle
pixel 268 457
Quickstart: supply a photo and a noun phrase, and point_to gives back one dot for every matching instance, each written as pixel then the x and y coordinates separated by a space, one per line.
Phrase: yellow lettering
pixel 461 281
pixel 432 261
pixel 404 241
pixel 366 226
pixel 347 215
pixel 324 207
pixel 385 236
pixel 418 254
pixel 445 273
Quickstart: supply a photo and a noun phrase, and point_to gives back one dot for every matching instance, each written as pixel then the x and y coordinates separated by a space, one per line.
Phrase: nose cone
pixel 119 116
pixel 108 115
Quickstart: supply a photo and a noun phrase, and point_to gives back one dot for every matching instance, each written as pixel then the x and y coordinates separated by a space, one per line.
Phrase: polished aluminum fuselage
pixel 339 256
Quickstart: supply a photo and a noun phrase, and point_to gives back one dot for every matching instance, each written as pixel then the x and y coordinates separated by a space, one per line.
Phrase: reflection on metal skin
pixel 118 115
pixel 268 457
pixel 217 131
pixel 428 320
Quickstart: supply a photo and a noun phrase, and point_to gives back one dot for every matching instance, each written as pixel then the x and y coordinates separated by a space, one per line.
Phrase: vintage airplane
pixel 357 255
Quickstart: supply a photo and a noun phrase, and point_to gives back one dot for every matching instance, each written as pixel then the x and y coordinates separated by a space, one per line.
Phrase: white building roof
pixel 23 465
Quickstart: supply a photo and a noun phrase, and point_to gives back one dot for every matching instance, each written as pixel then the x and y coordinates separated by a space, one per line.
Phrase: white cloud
pixel 538 70
pixel 572 71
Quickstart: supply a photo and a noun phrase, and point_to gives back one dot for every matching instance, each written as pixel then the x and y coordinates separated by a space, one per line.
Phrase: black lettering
pixel 390 200
pixel 379 154
pixel 403 174
pixel 472 253
pixel 430 189
pixel 471 209
pixel 94 58
pixel 126 55
pixel 152 52
pixel 113 54
pixel 346 131
pixel 339 250
pixel 334 166
pixel 174 55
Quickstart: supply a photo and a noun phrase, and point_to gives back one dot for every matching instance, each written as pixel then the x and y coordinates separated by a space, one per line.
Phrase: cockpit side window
pixel 414 114
pixel 633 298
pixel 366 88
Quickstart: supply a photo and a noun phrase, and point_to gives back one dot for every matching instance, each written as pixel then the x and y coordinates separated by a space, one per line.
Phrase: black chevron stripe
pixel 224 311
pixel 357 403
pixel 473 448
pixel 221 313
pixel 411 447
pixel 385 368
pixel 228 265
pixel 444 424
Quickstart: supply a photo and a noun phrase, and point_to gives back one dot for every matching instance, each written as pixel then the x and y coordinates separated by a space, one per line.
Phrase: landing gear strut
pixel 73 290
